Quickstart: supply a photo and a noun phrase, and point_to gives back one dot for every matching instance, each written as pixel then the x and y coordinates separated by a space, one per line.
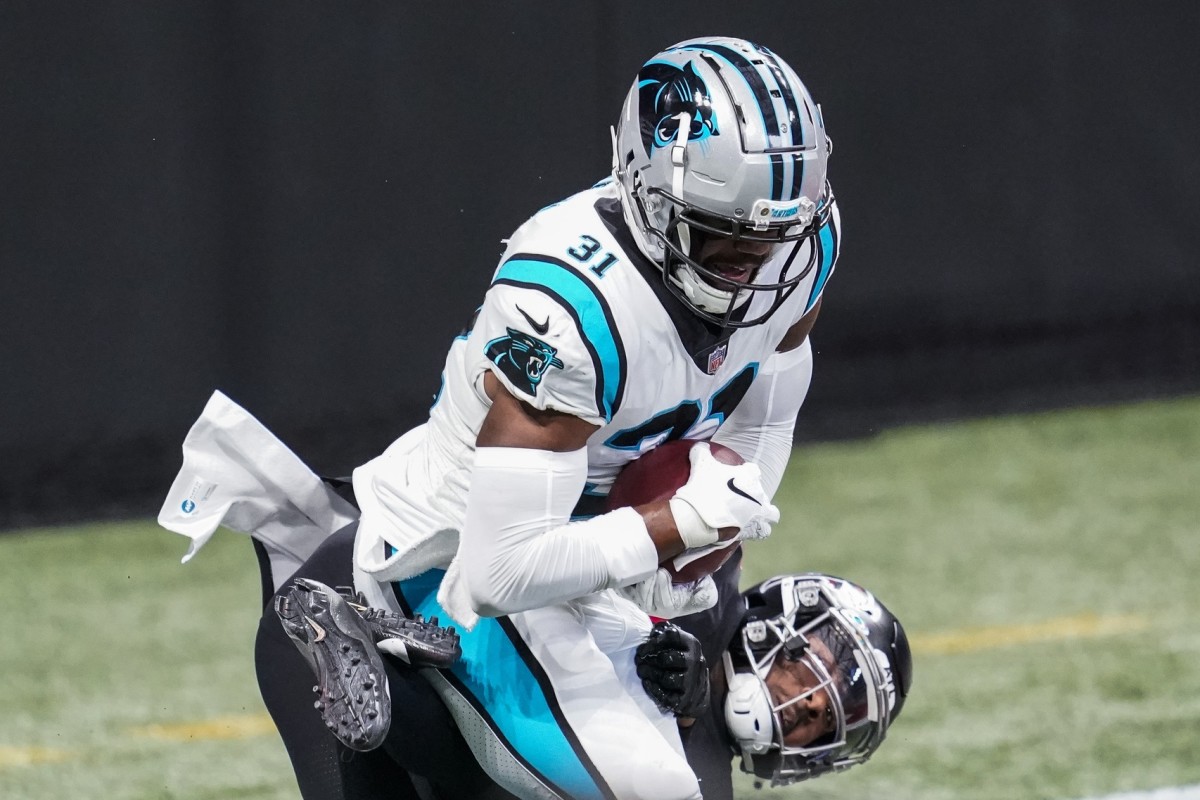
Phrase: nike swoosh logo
pixel 736 490
pixel 317 629
pixel 540 330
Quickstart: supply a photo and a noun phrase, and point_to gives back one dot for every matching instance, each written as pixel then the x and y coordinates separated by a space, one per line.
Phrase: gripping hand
pixel 721 496
pixel 660 597
pixel 673 671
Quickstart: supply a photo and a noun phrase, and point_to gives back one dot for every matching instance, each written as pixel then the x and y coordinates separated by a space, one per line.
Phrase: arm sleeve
pixel 519 551
pixel 760 429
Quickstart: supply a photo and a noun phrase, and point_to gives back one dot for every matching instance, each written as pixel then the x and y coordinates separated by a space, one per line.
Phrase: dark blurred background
pixel 300 204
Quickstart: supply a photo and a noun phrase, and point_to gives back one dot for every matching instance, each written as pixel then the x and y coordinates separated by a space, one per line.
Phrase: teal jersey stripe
pixel 494 673
pixel 591 314
pixel 828 241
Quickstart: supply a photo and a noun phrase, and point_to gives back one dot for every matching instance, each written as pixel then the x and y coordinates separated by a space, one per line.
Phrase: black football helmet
pixel 857 653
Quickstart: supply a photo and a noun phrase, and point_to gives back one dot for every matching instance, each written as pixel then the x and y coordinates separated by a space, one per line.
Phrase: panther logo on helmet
pixel 665 92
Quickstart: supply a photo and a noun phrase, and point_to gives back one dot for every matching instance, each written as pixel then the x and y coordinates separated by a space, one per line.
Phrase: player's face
pixel 734 260
pixel 810 718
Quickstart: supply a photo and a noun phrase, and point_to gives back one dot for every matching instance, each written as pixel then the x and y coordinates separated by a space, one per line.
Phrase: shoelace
pixel 386 624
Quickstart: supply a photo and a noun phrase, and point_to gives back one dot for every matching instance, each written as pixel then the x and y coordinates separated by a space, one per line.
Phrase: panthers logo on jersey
pixel 523 359
pixel 665 91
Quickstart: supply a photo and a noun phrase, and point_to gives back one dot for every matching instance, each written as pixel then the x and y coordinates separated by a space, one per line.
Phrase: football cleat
pixel 338 640
pixel 414 641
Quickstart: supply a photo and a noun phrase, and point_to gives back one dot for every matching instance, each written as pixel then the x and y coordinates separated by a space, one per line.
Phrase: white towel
pixel 454 596
pixel 236 473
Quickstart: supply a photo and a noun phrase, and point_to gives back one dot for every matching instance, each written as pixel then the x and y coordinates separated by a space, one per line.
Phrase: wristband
pixel 694 531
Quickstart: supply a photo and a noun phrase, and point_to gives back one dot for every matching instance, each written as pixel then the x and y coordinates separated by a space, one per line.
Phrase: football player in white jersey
pixel 808 673
pixel 672 300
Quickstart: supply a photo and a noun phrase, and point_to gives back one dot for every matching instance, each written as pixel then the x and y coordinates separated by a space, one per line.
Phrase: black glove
pixel 673 670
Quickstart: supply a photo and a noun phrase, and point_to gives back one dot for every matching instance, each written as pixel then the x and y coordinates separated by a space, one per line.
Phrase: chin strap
pixel 678 164
pixel 748 713
pixel 678 151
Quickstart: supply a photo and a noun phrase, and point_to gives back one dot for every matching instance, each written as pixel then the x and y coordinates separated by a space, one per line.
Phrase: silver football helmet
pixel 719 138
pixel 856 666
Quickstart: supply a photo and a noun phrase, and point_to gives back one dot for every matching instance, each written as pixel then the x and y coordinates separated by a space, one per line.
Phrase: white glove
pixel 721 496
pixel 659 597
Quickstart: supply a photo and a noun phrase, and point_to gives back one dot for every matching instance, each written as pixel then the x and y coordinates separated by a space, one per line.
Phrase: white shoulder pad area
pixel 547 334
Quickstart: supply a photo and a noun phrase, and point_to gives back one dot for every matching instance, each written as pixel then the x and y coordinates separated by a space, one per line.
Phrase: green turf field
pixel 1044 566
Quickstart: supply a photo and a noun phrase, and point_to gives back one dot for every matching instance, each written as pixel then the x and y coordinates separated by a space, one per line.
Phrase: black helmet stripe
pixel 754 79
pixel 777 178
pixel 789 96
pixel 794 122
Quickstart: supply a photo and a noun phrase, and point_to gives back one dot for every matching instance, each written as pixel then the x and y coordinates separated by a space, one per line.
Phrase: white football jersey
pixel 576 320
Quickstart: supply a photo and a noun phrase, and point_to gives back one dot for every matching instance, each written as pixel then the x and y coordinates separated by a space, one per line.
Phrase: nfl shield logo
pixel 716 358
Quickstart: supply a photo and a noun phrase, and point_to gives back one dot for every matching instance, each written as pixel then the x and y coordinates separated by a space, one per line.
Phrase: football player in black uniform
pixel 798 676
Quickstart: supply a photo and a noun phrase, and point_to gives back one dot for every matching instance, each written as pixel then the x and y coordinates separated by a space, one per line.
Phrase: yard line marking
pixel 1169 793
pixel 1083 626
pixel 233 726
pixel 26 756
pixel 241 726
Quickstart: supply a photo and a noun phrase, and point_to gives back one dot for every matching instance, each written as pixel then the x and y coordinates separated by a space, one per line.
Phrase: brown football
pixel 656 476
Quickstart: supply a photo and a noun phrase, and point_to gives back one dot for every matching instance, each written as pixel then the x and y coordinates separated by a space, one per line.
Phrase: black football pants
pixel 424 757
